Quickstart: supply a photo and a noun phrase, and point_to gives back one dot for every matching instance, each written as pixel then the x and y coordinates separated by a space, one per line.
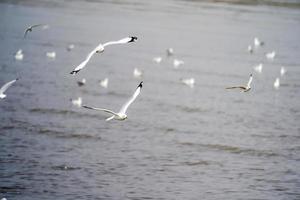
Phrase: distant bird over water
pixel 30 28
pixel 5 87
pixel 271 55
pixel 137 73
pixel 100 49
pixel 258 68
pixel 177 63
pixel 104 83
pixel 19 55
pixel 282 71
pixel 243 88
pixel 121 115
pixel 257 42
pixel 276 83
pixel 189 82
pixel 81 83
pixel 77 102
pixel 170 51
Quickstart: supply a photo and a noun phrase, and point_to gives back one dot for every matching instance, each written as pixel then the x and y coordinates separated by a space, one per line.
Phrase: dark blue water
pixel 178 142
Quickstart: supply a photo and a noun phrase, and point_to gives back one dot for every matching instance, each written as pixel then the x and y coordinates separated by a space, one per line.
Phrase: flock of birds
pixel 137 73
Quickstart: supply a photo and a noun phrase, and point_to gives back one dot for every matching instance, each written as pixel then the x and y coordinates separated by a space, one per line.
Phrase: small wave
pixel 51 111
pixel 234 150
pixel 65 168
pixel 191 109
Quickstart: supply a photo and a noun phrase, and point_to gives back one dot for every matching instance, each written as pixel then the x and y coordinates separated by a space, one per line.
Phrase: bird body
pixel 100 49
pixel 170 51
pixel 51 54
pixel 121 115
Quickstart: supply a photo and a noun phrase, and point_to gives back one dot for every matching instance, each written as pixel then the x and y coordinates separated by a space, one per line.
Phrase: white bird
pixel 271 55
pixel 70 47
pixel 188 81
pixel 121 115
pixel 82 82
pixel 137 73
pixel 258 68
pixel 51 54
pixel 243 88
pixel 19 55
pixel 104 83
pixel 257 42
pixel 170 51
pixel 282 71
pixel 29 29
pixel 157 59
pixel 5 87
pixel 250 49
pixel 177 63
pixel 3 199
pixel 276 83
pixel 100 49
pixel 77 102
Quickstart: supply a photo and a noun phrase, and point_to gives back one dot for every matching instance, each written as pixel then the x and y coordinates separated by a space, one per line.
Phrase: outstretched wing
pixel 122 41
pixel 6 86
pixel 250 80
pixel 240 87
pixel 83 63
pixel 100 109
pixel 132 98
pixel 36 25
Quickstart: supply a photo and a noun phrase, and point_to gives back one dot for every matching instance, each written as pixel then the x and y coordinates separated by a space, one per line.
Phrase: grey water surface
pixel 178 142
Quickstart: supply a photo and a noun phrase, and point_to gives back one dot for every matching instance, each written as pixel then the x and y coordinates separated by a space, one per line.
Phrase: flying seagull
pixel 77 102
pixel 243 88
pixel 5 87
pixel 121 115
pixel 29 29
pixel 257 42
pixel 100 49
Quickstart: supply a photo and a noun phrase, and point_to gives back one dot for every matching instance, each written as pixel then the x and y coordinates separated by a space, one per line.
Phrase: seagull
pixel 5 87
pixel 104 83
pixel 188 81
pixel 243 88
pixel 29 29
pixel 121 115
pixel 81 83
pixel 258 68
pixel 19 55
pixel 271 55
pixel 77 102
pixel 137 73
pixel 100 49
pixel 51 54
pixel 257 42
pixel 250 49
pixel 276 83
pixel 177 63
pixel 170 51
pixel 282 71
pixel 70 47
pixel 157 59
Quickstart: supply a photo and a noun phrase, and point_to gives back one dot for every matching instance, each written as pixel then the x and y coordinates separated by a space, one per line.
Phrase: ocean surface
pixel 178 142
